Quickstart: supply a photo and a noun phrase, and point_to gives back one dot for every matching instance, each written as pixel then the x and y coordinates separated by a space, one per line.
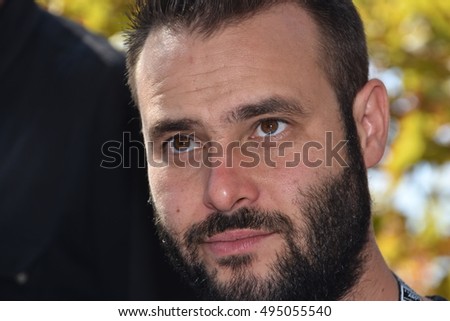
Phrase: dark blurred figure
pixel 69 228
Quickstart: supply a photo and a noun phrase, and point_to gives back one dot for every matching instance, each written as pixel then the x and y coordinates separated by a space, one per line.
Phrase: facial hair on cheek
pixel 322 260
pixel 326 268
pixel 339 219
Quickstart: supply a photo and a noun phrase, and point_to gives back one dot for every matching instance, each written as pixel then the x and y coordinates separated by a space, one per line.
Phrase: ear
pixel 371 113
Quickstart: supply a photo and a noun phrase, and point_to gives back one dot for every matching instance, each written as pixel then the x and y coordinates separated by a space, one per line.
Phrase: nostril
pixel 240 201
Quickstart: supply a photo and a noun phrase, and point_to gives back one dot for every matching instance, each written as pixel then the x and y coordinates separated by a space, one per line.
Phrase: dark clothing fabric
pixel 436 298
pixel 406 293
pixel 70 229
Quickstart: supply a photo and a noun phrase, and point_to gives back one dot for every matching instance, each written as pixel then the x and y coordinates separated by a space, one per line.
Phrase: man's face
pixel 225 119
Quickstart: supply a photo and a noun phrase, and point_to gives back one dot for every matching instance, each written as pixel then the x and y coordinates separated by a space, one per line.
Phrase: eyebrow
pixel 242 113
pixel 270 105
pixel 172 125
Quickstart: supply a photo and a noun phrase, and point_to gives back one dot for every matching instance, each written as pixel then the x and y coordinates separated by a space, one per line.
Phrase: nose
pixel 230 187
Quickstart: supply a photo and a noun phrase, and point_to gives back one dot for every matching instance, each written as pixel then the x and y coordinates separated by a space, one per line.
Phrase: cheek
pixel 165 194
pixel 281 186
pixel 175 206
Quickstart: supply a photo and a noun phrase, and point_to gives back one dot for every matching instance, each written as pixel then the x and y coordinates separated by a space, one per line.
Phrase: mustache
pixel 243 218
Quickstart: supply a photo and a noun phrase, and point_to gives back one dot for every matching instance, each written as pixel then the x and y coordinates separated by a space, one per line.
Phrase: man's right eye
pixel 181 144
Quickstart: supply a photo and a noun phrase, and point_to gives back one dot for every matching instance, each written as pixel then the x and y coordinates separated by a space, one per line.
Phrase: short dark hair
pixel 342 39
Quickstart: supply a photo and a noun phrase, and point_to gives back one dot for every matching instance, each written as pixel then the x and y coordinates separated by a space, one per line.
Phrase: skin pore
pixel 278 227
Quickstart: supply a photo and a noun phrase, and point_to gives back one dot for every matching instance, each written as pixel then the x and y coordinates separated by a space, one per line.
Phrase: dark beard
pixel 322 260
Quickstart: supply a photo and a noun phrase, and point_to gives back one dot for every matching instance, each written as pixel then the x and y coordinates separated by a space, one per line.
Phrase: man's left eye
pixel 270 127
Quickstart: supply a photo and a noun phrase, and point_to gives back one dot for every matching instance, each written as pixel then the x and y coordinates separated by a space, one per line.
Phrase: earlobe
pixel 371 113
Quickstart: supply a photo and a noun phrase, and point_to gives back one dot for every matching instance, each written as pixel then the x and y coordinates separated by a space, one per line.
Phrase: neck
pixel 377 282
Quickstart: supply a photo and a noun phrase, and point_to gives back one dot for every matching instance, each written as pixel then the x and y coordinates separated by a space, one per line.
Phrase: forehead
pixel 274 48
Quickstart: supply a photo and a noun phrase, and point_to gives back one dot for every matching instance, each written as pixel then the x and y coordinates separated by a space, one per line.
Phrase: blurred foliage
pixel 414 35
pixel 106 17
pixel 410 38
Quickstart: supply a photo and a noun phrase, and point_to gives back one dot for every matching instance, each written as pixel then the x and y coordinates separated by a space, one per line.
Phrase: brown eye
pixel 270 127
pixel 181 143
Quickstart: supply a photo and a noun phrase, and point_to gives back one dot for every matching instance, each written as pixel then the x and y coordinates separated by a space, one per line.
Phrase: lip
pixel 235 242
